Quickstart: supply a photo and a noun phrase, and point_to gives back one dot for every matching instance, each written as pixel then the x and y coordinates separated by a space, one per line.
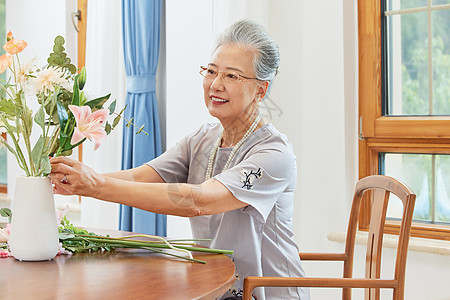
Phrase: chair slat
pixel 379 188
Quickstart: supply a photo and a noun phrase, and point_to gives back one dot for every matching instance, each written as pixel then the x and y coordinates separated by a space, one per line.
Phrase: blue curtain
pixel 141 30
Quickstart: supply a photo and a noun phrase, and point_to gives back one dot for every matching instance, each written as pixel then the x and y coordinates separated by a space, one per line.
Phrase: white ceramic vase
pixel 34 229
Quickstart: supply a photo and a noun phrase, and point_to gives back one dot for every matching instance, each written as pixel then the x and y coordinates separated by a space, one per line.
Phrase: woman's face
pixel 233 101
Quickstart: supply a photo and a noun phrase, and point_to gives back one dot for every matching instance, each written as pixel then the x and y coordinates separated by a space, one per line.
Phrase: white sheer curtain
pixel 105 74
pixel 226 12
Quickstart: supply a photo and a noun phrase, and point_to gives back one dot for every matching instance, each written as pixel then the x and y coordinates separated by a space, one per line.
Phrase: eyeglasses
pixel 211 73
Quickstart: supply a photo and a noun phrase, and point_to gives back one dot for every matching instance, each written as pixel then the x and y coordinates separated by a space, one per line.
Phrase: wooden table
pixel 125 274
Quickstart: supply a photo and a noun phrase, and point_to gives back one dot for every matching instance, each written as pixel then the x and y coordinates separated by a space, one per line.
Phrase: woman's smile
pixel 218 101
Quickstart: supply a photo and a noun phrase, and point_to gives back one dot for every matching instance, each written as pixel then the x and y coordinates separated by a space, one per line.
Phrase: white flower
pixel 47 78
pixel 23 73
pixel 68 85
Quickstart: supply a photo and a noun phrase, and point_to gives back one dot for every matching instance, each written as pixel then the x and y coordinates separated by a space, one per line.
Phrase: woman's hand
pixel 71 177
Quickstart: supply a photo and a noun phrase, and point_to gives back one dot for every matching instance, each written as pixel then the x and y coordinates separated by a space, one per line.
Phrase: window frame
pixel 396 134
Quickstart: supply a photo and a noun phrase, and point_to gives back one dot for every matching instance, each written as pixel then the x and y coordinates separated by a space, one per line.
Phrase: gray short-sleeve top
pixel 262 174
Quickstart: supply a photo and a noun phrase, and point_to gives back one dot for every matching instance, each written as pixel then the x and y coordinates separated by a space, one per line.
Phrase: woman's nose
pixel 217 83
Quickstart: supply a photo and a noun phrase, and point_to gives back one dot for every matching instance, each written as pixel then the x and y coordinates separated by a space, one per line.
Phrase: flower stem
pixel 19 155
pixel 174 255
pixel 6 91
pixel 54 138
pixel 140 243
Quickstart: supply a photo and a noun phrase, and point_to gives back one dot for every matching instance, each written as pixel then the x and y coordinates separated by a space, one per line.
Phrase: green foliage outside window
pixel 414 53
pixel 426 174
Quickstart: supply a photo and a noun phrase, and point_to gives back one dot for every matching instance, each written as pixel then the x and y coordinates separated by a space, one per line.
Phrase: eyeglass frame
pixel 202 69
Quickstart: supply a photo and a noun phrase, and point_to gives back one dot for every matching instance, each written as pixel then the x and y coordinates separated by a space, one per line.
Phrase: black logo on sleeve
pixel 248 178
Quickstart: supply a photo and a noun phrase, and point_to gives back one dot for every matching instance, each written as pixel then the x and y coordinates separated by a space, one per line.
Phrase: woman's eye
pixel 232 76
pixel 210 72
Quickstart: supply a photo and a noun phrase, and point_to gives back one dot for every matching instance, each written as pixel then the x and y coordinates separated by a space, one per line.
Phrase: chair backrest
pixel 379 187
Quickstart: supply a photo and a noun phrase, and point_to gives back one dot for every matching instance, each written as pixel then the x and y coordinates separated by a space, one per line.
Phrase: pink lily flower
pixel 5 62
pixel 61 213
pixel 4 234
pixel 4 253
pixel 14 46
pixel 89 125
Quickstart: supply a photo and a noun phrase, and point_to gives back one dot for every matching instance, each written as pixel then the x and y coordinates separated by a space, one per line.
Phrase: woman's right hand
pixel 78 178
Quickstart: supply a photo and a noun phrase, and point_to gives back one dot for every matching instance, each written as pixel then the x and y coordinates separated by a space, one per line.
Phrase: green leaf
pixel 116 121
pixel 27 119
pixel 59 58
pixel 76 92
pixel 45 167
pixel 11 149
pixel 97 103
pixel 39 117
pixel 66 235
pixel 112 107
pixel 62 115
pixel 130 122
pixel 37 151
pixel 108 128
pixel 123 109
pixel 83 99
pixel 66 152
pixel 8 107
pixel 82 78
pixel 140 129
pixel 6 213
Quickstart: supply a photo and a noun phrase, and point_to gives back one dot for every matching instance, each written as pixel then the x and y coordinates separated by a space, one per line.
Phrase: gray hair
pixel 253 35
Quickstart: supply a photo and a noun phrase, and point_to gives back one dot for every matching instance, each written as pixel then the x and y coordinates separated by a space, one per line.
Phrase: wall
pixel 313 101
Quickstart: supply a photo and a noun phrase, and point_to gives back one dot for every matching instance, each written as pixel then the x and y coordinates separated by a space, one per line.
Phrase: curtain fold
pixel 141 33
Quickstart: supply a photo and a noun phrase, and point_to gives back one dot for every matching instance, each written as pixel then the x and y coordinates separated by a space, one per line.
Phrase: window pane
pixel 427 175
pixel 402 4
pixel 441 62
pixel 443 192
pixel 415 171
pixel 408 64
pixel 440 2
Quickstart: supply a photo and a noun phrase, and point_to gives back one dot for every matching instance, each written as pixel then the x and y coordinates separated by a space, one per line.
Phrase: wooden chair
pixel 381 187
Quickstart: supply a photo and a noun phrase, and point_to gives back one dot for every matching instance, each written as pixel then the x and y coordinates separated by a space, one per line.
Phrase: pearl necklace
pixel 213 153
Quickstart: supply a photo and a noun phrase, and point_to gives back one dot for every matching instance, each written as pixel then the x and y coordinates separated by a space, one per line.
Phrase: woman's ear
pixel 262 90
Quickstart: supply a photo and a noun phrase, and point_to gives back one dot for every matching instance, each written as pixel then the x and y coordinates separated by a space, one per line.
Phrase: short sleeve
pixel 185 161
pixel 173 165
pixel 267 173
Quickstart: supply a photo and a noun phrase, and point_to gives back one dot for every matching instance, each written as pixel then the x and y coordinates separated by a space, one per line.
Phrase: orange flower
pixel 9 36
pixel 5 62
pixel 14 46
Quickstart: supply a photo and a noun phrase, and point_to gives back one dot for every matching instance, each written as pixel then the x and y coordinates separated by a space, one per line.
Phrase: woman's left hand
pixel 71 177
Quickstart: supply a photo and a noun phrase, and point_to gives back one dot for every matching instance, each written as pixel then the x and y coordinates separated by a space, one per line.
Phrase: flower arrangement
pixel 65 115
pixel 75 240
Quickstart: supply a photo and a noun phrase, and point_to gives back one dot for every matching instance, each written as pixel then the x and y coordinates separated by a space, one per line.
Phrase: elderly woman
pixel 234 179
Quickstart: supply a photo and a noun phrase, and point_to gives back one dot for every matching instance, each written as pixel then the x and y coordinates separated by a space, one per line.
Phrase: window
pixel 404 105
pixel 3 150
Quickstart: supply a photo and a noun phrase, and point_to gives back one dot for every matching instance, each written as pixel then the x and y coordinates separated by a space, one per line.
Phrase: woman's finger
pixel 61 167
pixel 63 159
pixel 57 189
